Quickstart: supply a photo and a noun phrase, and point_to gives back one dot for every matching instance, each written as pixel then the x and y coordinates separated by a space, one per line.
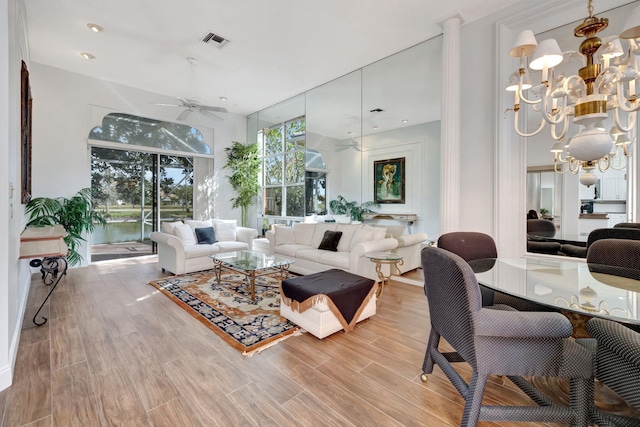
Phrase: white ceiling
pixel 277 49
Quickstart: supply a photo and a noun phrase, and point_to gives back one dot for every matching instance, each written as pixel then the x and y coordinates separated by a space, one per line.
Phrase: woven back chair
pixel 617 252
pixel 617 366
pixel 541 227
pixel 627 225
pixel 613 233
pixel 500 342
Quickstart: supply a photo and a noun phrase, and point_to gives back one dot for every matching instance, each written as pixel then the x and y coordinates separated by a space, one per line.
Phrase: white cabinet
pixel 614 186
pixel 616 219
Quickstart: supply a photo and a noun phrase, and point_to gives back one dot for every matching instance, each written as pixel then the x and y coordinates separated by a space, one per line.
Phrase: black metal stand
pixel 52 270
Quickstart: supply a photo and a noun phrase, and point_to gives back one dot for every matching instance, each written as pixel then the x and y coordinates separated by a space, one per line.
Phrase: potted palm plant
pixel 341 206
pixel 76 215
pixel 244 163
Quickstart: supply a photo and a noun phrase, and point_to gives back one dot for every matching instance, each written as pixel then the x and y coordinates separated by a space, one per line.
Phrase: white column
pixel 450 124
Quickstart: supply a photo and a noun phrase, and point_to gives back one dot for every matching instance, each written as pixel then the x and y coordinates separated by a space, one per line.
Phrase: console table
pixel 46 248
pixel 409 218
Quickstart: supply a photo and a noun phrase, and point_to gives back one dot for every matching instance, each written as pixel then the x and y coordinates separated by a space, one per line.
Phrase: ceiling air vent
pixel 214 39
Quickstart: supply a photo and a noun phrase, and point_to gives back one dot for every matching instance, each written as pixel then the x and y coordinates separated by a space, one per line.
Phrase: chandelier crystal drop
pixel 606 86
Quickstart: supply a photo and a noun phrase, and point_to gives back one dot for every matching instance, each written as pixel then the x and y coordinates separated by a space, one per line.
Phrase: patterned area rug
pixel 227 309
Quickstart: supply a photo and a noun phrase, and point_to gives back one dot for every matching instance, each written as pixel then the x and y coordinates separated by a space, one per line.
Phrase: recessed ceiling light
pixel 376 127
pixel 405 121
pixel 223 98
pixel 95 28
pixel 86 55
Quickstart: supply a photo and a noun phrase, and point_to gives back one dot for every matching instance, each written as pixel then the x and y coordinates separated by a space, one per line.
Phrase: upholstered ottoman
pixel 325 302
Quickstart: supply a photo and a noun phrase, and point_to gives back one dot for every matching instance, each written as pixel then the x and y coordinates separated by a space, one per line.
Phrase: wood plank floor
pixel 116 352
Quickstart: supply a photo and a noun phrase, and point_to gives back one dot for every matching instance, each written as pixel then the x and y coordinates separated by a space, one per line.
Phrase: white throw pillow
pixel 342 219
pixel 361 235
pixel 303 233
pixel 348 231
pixel 225 229
pixel 378 233
pixel 197 224
pixel 184 233
pixel 318 234
pixel 284 236
pixel 168 227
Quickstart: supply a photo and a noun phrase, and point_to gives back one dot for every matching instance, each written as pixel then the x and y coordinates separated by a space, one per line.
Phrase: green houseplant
pixel 76 215
pixel 340 206
pixel 243 161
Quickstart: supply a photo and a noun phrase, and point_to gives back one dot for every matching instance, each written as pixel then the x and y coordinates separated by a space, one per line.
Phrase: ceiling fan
pixel 191 105
pixel 351 144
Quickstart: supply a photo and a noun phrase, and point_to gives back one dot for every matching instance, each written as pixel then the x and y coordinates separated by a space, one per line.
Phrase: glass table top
pixel 251 260
pixel 596 290
pixel 383 256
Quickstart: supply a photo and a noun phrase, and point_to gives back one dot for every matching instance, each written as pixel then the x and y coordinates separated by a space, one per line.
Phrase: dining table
pixel 570 285
pixel 580 291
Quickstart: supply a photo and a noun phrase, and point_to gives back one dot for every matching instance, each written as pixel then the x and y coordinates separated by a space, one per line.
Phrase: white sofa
pixel 179 251
pixel 409 246
pixel 300 242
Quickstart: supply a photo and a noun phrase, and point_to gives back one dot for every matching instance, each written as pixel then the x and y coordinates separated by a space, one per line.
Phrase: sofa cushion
pixel 168 227
pixel 291 250
pixel 318 234
pixel 379 233
pixel 330 241
pixel 225 229
pixel 232 246
pixel 284 235
pixel 335 259
pixel 361 235
pixel 303 233
pixel 198 251
pixel 205 236
pixel 194 223
pixel 310 254
pixel 348 231
pixel 185 234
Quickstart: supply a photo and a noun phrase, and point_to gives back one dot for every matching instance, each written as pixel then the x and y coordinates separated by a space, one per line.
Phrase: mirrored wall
pixel 385 113
pixel 574 208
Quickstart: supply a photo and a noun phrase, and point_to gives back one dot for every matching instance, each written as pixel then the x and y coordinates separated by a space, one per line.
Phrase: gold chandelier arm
pixel 631 123
pixel 515 125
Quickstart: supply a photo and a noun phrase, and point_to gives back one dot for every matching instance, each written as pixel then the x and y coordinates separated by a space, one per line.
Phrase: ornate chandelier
pixel 603 87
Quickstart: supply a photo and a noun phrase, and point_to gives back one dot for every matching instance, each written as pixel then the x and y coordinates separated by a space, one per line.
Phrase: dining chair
pixel 617 366
pixel 627 225
pixel 629 233
pixel 616 252
pixel 500 342
pixel 472 246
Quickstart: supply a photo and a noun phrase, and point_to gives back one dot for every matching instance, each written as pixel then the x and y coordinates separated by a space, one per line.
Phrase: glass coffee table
pixel 250 263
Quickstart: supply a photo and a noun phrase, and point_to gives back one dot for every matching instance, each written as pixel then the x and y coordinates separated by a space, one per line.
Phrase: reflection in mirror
pixel 578 209
pixel 386 110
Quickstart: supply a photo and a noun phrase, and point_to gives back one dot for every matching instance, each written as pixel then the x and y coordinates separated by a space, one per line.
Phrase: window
pixel 283 179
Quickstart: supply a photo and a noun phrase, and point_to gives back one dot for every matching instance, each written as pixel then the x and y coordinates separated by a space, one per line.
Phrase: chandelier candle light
pixel 604 85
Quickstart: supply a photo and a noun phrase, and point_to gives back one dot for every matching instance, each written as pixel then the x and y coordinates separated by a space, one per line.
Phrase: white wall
pixel 63 103
pixel 14 274
pixel 351 171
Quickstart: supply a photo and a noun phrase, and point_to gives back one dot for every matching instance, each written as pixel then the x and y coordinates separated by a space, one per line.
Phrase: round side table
pixel 383 258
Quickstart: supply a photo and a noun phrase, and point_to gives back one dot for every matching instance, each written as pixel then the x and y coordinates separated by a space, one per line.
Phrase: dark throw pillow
pixel 205 236
pixel 330 240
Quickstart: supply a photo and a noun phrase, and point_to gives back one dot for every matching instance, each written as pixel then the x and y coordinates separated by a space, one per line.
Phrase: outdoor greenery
pixel 76 215
pixel 341 206
pixel 284 160
pixel 244 164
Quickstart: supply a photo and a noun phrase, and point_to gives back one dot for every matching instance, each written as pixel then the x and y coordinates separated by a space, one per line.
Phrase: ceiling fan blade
pixel 184 115
pixel 185 101
pixel 208 114
pixel 211 108
pixel 357 148
pixel 342 148
pixel 165 105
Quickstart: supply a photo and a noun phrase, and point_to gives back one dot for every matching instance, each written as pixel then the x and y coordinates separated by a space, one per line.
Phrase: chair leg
pixel 427 365
pixel 581 400
pixel 473 401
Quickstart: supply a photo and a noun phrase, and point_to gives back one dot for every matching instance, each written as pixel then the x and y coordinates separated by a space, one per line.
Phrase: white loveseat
pixel 300 242
pixel 179 251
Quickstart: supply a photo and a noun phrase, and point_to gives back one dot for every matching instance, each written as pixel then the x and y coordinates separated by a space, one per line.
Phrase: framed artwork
pixel 25 125
pixel 388 180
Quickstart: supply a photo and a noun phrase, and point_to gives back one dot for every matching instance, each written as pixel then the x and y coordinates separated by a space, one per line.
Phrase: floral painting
pixel 388 184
